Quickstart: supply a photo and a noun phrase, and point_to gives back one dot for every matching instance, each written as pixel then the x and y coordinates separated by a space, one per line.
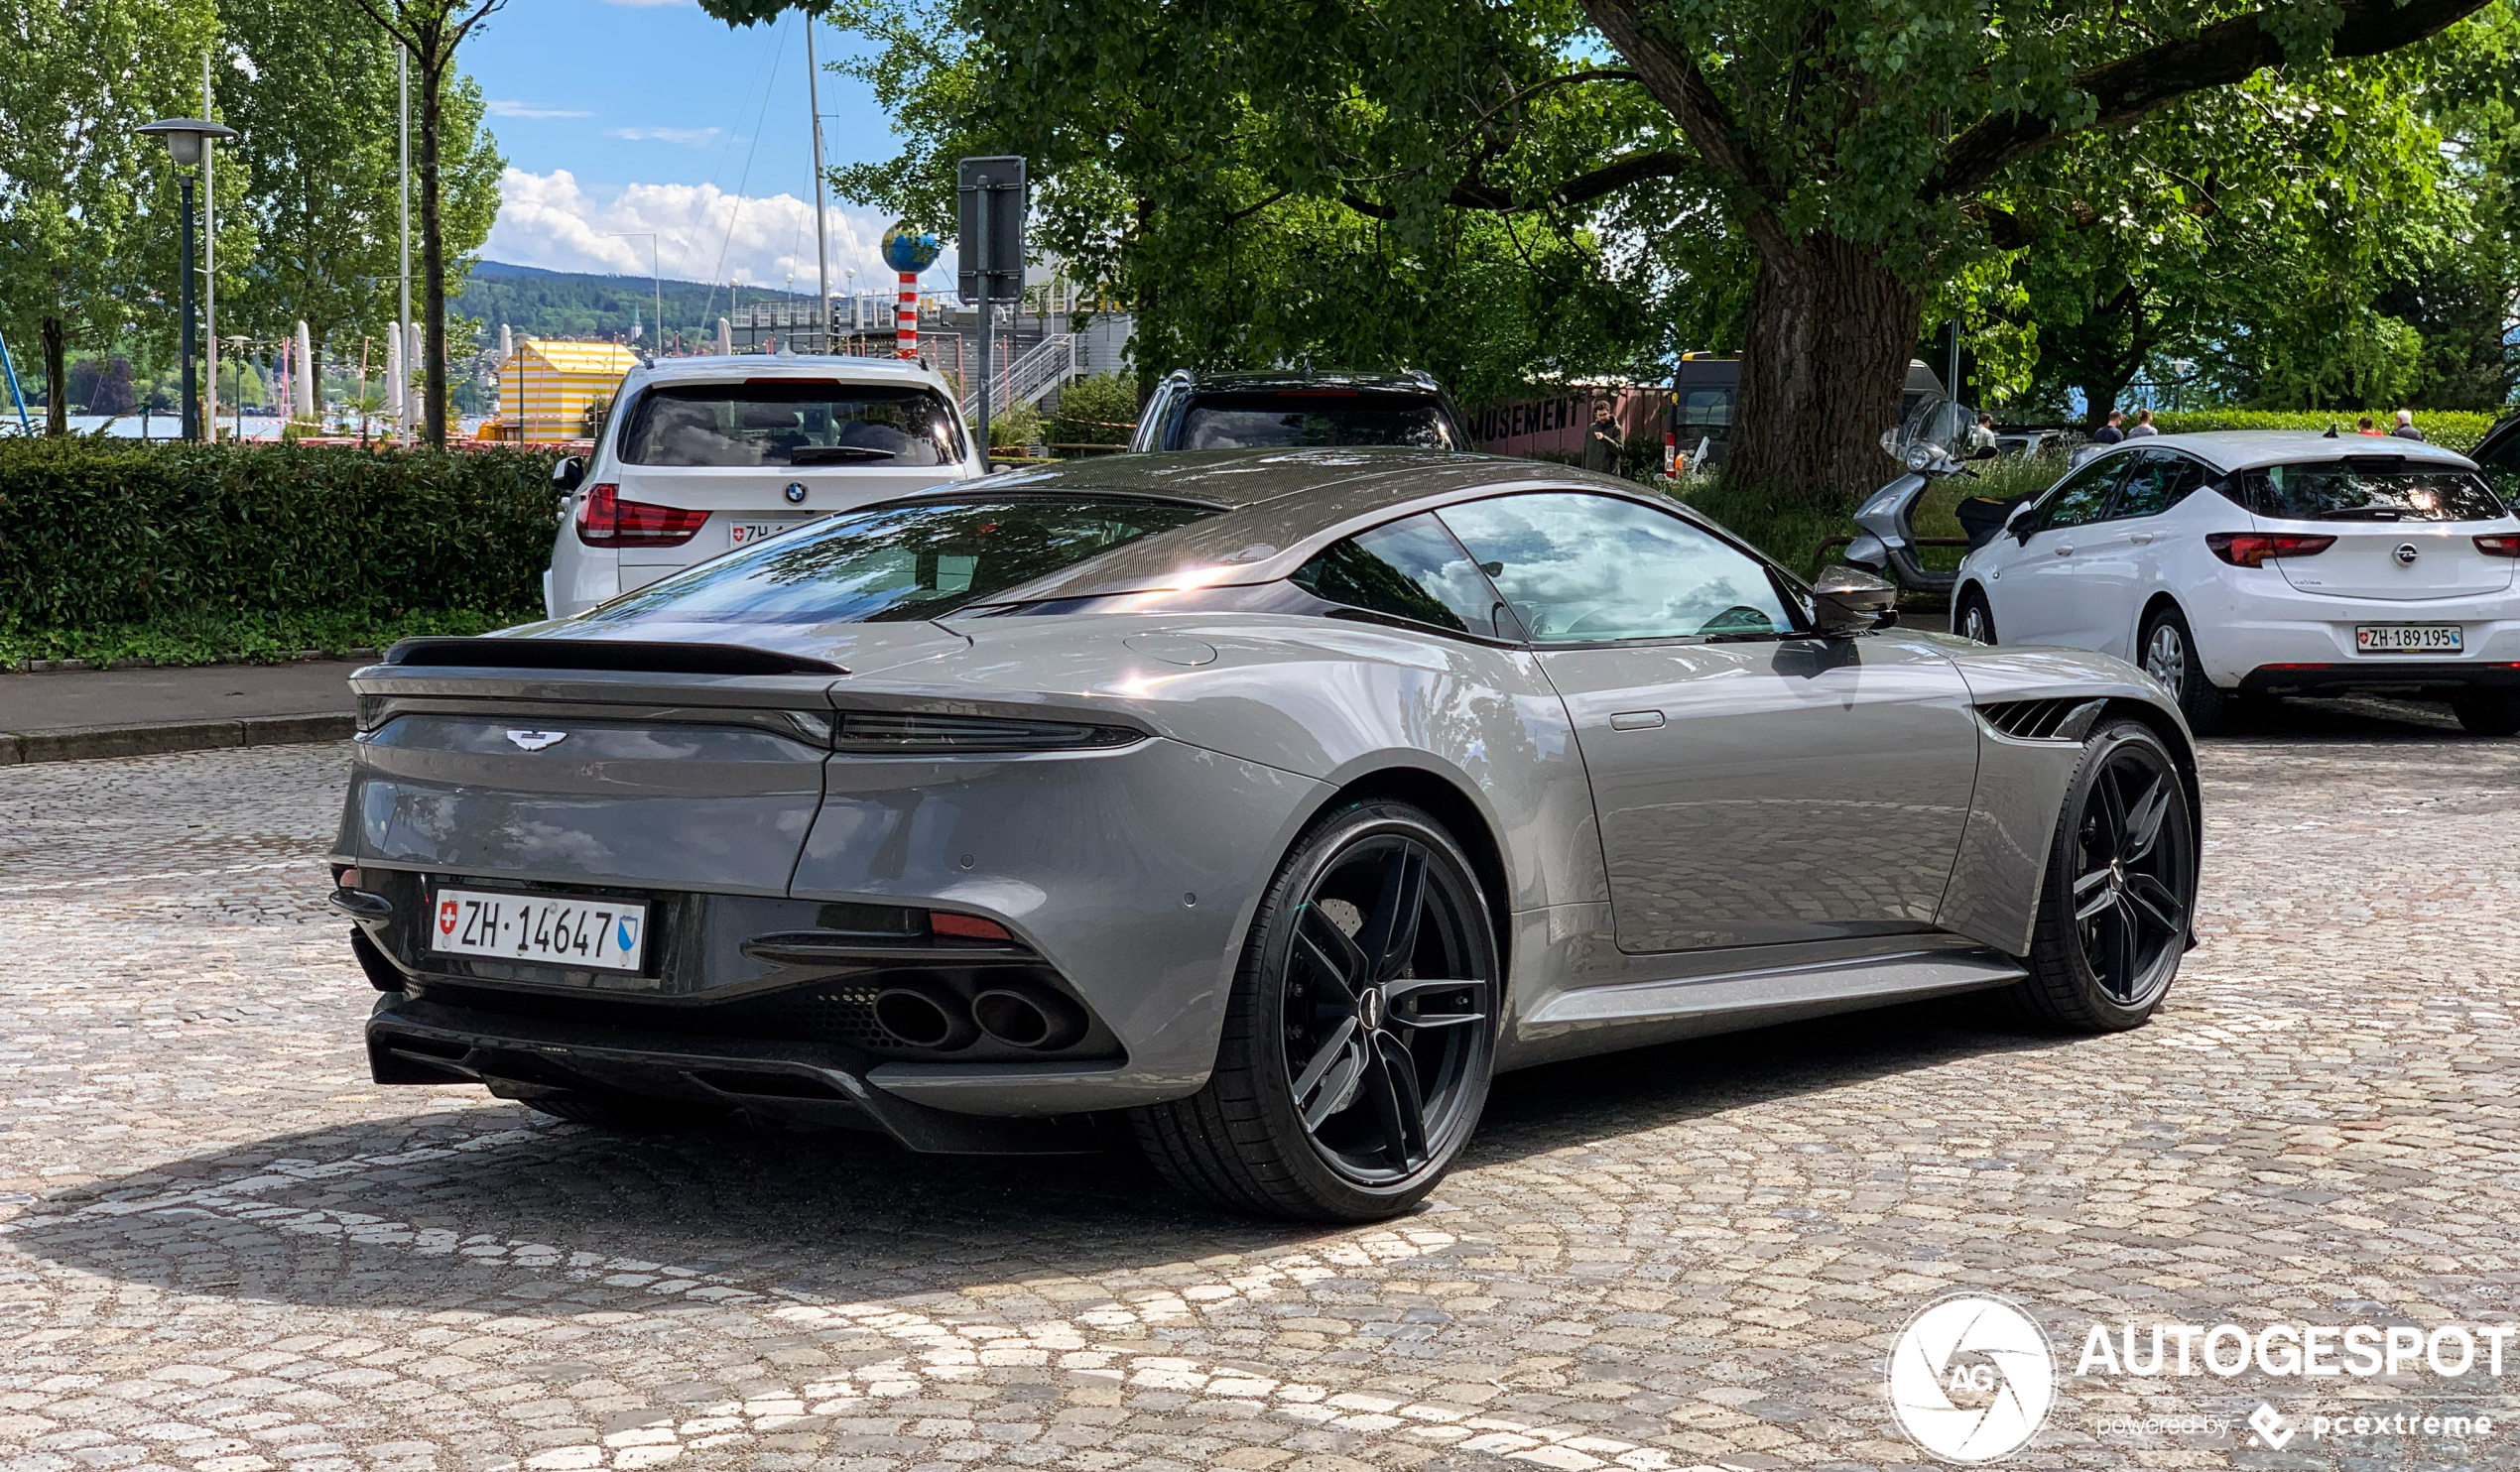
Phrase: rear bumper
pixel 2243 630
pixel 2374 674
pixel 801 1084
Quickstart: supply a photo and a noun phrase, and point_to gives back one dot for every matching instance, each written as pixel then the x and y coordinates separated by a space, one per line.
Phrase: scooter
pixel 1887 518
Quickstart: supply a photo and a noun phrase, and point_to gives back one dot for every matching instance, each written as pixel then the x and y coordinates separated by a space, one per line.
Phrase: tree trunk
pixel 57 398
pixel 1831 330
pixel 433 264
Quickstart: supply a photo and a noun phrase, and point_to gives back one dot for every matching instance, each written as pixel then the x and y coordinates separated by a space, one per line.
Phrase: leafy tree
pixel 313 90
pixel 1863 160
pixel 87 208
pixel 433 31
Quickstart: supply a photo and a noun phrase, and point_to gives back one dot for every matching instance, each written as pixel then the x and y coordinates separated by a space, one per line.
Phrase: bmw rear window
pixel 791 422
pixel 2371 488
pixel 897 563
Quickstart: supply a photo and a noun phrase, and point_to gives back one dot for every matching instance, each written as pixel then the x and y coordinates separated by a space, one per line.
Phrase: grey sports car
pixel 1258 807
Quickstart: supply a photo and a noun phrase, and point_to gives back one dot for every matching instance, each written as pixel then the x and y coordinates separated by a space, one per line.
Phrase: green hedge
pixel 2451 428
pixel 95 532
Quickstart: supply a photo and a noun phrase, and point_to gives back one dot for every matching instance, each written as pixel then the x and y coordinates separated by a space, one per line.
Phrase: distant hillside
pixel 566 303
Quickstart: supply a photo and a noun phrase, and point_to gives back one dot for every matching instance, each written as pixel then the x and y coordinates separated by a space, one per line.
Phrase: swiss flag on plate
pixel 446 917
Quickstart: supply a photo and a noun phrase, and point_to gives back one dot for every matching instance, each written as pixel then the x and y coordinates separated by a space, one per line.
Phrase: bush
pixel 2451 428
pixel 96 534
pixel 1095 411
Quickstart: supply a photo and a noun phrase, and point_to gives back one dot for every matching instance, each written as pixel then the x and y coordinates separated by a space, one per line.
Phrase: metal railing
pixel 1052 362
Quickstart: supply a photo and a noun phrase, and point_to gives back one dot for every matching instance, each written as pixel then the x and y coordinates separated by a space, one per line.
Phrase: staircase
pixel 1052 362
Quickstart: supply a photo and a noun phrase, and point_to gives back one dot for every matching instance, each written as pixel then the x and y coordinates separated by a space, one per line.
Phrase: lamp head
pixel 185 137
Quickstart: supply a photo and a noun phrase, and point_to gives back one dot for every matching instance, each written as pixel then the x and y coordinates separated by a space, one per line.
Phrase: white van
pixel 702 455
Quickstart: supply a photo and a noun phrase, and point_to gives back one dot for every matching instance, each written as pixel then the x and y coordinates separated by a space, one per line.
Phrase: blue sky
pixel 656 117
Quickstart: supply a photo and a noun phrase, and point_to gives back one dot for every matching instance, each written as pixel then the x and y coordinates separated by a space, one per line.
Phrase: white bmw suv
pixel 702 455
pixel 2267 565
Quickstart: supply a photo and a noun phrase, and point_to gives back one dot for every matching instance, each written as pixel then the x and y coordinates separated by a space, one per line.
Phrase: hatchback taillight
pixel 2252 548
pixel 2499 544
pixel 606 520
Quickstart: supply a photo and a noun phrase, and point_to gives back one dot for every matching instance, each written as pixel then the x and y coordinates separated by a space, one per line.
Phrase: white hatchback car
pixel 702 455
pixel 2267 564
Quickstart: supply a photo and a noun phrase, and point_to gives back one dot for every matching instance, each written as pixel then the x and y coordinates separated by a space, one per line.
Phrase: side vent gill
pixel 2067 718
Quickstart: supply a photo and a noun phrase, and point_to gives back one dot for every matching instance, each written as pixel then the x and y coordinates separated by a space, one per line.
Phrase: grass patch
pixel 267 638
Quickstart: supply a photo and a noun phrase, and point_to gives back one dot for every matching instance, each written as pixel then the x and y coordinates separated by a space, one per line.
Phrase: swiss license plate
pixel 606 934
pixel 745 534
pixel 2407 639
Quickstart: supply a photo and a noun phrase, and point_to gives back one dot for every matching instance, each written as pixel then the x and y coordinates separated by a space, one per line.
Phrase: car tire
pixel 2487 712
pixel 1325 1106
pixel 2117 903
pixel 2167 651
pixel 1972 620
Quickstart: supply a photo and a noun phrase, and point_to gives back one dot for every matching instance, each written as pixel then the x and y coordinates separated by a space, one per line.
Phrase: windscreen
pixel 2380 488
pixel 1288 419
pixel 791 422
pixel 890 564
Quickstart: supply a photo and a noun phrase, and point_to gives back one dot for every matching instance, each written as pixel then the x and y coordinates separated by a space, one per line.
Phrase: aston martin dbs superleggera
pixel 1256 806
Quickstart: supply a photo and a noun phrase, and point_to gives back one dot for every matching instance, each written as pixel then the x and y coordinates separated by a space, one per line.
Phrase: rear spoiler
pixel 645 657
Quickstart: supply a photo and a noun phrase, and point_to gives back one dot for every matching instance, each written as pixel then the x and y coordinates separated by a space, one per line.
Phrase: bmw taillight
pixel 606 520
pixel 2499 544
pixel 2252 548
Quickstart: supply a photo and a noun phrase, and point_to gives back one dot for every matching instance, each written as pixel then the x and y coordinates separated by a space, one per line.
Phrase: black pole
pixel 184 258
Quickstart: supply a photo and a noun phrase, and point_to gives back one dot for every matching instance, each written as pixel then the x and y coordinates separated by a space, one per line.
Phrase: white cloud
pixel 507 109
pixel 690 137
pixel 549 220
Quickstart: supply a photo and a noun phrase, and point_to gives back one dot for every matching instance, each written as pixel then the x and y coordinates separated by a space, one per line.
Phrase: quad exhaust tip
pixel 1027 1017
pixel 929 1015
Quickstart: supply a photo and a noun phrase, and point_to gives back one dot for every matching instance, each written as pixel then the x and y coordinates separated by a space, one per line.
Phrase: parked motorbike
pixel 1887 518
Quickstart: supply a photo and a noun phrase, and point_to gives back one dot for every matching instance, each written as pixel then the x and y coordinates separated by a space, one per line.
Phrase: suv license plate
pixel 745 534
pixel 607 934
pixel 2407 639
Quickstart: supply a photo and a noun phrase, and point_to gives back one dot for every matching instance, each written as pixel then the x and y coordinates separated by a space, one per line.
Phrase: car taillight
pixel 606 520
pixel 2252 548
pixel 2499 544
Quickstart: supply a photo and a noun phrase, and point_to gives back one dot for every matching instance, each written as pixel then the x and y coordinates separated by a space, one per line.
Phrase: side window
pixel 1410 569
pixel 2500 460
pixel 1578 568
pixel 2083 495
pixel 2159 481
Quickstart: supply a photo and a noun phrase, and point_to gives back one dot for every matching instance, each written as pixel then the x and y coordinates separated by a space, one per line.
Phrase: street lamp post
pixel 185 139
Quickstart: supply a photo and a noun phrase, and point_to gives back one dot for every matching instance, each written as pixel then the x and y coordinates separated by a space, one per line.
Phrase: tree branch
pixel 2128 88
pixel 1473 193
pixel 1673 77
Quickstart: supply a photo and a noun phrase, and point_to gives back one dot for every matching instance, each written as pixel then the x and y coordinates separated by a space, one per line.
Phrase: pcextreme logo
pixel 1972 1378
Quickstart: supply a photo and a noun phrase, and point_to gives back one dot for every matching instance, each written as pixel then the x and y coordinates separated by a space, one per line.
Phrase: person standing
pixel 2143 424
pixel 1981 440
pixel 2406 426
pixel 2110 433
pixel 2364 427
pixel 1602 442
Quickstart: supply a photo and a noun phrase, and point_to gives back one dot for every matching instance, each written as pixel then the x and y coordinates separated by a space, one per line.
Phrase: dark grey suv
pixel 1293 410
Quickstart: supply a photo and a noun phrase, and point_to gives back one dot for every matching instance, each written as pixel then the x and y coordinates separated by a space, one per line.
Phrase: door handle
pixel 2065 550
pixel 1636 720
pixel 2140 538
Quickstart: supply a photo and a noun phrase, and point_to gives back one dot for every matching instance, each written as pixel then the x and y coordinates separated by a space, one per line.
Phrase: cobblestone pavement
pixel 221 1249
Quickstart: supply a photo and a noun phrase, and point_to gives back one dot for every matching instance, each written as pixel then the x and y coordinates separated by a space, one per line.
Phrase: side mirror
pixel 1848 600
pixel 2021 524
pixel 570 471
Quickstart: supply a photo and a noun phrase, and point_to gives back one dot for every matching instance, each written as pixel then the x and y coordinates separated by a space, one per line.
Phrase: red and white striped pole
pixel 906 316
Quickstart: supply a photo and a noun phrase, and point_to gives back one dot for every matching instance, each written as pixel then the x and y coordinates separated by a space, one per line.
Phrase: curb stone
pixel 302 656
pixel 87 743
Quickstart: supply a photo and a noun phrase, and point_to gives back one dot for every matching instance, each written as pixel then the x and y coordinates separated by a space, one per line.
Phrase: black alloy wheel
pixel 1359 1043
pixel 2116 910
